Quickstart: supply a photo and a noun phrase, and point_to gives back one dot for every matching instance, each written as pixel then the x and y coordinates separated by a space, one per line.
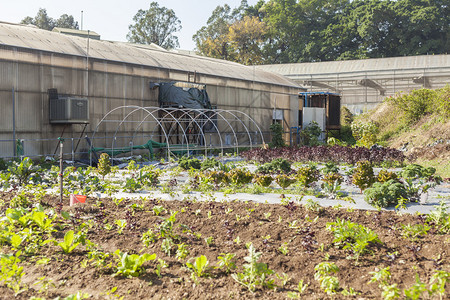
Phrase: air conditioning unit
pixel 69 110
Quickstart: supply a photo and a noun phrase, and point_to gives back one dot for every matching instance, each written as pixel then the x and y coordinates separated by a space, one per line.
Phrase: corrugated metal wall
pixel 108 85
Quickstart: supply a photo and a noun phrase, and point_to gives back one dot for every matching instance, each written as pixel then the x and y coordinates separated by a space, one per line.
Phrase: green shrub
pixel 365 134
pixel 310 134
pixel 240 177
pixel 421 102
pixel 345 135
pixel 3 165
pixel 385 194
pixel 332 178
pixel 189 163
pixel 363 176
pixel 415 104
pixel 277 136
pixel 264 180
pixel 442 103
pixel 275 166
pixel 219 177
pixel 346 116
pixel 331 184
pixel 284 181
pixel 330 167
pixel 308 175
pixel 209 163
pixel 385 175
pixel 104 165
pixel 415 171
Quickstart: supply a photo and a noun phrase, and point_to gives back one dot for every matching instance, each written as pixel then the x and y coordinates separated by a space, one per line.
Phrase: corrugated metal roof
pixel 362 65
pixel 76 31
pixel 17 35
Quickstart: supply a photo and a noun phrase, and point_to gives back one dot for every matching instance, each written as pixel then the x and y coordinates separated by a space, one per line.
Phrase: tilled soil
pixel 265 225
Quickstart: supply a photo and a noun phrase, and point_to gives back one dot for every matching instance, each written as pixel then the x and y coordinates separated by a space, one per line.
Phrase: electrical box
pixel 277 115
pixel 69 110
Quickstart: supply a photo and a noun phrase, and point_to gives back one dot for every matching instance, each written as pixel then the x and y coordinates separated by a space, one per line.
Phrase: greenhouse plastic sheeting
pixel 185 96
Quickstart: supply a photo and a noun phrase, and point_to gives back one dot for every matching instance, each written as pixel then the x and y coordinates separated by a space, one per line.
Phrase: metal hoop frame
pixel 186 118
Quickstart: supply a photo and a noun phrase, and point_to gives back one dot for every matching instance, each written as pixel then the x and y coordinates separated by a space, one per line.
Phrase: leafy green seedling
pixel 209 241
pixel 182 251
pixel 416 290
pixel 301 289
pixel 42 220
pixel 161 264
pixel 226 261
pixel 166 246
pixel 255 273
pixel 353 236
pixel 284 249
pixel 131 265
pixel 414 232
pixel 117 201
pixel 69 243
pixel 11 273
pixel 79 296
pixel 121 224
pixel 327 282
pixel 158 209
pixel 199 267
pixel 438 281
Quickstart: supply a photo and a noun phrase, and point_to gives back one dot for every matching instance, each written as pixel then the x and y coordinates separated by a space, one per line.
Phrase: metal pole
pixel 14 121
pixel 61 171
pixel 73 154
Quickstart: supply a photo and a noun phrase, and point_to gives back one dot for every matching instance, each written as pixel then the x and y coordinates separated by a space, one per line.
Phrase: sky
pixel 111 18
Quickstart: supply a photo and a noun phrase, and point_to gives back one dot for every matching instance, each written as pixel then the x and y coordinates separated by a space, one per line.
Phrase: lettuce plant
pixel 69 243
pixel 199 267
pixel 130 265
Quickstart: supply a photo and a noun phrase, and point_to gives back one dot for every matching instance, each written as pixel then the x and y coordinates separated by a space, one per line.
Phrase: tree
pixel 231 35
pixel 155 25
pixel 212 40
pixel 290 31
pixel 424 26
pixel 66 21
pixel 247 38
pixel 43 21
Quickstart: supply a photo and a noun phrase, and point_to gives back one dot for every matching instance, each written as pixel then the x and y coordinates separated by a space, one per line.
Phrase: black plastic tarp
pixel 184 94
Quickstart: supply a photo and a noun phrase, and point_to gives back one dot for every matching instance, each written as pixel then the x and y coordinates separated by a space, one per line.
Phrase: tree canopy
pixel 43 21
pixel 286 31
pixel 233 35
pixel 155 25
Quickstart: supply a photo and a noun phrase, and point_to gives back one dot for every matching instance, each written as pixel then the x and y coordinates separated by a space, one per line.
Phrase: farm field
pixel 171 232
